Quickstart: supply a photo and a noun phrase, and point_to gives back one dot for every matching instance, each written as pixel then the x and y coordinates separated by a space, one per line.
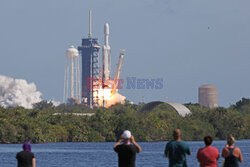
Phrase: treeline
pixel 46 123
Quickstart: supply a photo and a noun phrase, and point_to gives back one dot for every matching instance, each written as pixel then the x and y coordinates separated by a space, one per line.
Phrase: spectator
pixel 127 150
pixel 231 154
pixel 26 158
pixel 208 155
pixel 176 150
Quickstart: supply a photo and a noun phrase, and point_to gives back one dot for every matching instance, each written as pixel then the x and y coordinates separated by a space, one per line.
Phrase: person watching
pixel 127 148
pixel 231 153
pixel 176 150
pixel 208 155
pixel 26 158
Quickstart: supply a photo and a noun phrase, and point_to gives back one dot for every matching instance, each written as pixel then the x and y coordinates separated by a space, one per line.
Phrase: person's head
pixel 177 134
pixel 208 140
pixel 126 135
pixel 27 146
pixel 230 140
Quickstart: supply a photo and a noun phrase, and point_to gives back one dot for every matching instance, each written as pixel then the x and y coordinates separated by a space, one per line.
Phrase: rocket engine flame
pixel 107 97
pixel 115 98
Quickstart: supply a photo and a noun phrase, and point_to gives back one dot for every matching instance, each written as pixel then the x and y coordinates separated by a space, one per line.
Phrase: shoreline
pixel 115 141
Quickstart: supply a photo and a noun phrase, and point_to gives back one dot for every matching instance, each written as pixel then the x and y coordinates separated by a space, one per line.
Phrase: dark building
pixel 89 50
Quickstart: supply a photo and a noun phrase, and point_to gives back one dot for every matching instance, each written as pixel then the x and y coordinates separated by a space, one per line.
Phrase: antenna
pixel 90 33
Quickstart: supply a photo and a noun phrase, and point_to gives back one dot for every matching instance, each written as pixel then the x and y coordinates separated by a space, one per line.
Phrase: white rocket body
pixel 106 56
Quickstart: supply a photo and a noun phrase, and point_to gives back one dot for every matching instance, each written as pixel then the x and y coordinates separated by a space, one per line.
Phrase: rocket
pixel 106 57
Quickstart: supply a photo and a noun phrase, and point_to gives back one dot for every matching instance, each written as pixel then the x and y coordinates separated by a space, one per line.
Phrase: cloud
pixel 17 92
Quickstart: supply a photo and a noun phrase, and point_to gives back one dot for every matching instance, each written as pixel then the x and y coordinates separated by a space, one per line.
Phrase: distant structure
pixel 89 51
pixel 178 107
pixel 118 72
pixel 106 58
pixel 208 96
pixel 97 87
pixel 72 77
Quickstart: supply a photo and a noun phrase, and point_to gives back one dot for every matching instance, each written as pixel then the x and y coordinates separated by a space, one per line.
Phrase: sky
pixel 185 43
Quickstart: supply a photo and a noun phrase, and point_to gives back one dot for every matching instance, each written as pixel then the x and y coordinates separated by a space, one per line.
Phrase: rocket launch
pixel 98 89
pixel 111 95
pixel 106 57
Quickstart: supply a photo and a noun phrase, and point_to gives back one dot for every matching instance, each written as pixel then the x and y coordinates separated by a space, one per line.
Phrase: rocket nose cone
pixel 106 28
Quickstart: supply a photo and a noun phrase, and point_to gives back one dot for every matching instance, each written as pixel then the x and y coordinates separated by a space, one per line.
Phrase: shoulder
pixel 32 154
pixel 184 143
pixel 237 149
pixel 133 147
pixel 117 148
pixel 171 142
pixel 201 149
pixel 200 152
pixel 213 148
pixel 21 152
pixel 27 153
pixel 18 154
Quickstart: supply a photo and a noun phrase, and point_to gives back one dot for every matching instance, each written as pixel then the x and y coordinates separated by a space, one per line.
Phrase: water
pixel 102 154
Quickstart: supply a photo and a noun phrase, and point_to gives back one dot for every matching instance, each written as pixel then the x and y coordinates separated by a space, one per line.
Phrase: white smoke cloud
pixel 55 103
pixel 17 92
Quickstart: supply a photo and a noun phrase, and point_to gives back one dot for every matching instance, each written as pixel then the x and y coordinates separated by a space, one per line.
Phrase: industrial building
pixel 89 51
pixel 208 96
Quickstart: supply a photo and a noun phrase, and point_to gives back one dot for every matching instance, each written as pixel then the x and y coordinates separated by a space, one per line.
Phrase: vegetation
pixel 41 124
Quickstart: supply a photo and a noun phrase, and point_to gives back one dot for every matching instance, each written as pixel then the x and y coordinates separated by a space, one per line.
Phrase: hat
pixel 126 134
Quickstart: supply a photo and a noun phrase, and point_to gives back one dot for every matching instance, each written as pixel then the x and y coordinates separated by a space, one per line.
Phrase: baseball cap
pixel 126 134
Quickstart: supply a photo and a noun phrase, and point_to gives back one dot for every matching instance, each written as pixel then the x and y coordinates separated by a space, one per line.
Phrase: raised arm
pixel 118 143
pixel 134 142
pixel 225 152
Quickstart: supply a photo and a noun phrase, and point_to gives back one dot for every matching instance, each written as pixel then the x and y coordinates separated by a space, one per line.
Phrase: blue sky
pixel 187 43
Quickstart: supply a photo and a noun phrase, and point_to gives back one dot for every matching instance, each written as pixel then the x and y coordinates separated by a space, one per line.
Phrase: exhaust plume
pixel 115 98
pixel 17 92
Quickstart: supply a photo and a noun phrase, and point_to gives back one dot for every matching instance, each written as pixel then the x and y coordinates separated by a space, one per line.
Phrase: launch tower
pixel 89 51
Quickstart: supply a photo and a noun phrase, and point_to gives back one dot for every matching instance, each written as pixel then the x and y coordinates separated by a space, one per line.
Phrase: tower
pixel 72 76
pixel 208 96
pixel 89 51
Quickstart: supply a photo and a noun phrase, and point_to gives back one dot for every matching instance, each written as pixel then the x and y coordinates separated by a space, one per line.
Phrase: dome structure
pixel 178 107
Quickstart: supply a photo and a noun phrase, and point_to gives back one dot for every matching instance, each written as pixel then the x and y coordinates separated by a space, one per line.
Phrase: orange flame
pixel 106 98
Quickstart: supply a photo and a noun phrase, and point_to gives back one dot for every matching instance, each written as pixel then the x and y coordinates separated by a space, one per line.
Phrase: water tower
pixel 72 76
pixel 208 96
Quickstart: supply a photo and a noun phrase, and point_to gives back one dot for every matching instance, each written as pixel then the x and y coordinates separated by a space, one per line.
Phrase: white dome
pixel 72 52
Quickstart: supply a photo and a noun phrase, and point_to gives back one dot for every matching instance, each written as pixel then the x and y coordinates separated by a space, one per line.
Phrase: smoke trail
pixel 17 92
